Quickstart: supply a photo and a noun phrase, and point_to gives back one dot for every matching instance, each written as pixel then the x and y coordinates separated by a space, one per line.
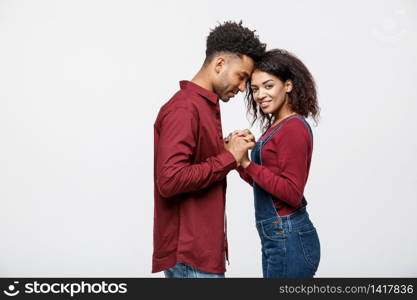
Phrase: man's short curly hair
pixel 232 37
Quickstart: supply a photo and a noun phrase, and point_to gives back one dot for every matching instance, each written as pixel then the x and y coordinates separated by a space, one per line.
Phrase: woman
pixel 282 94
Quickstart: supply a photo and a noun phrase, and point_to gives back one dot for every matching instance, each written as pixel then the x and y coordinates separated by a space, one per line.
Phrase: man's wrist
pixel 234 156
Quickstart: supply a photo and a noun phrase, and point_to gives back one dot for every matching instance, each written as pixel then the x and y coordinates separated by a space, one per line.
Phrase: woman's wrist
pixel 245 163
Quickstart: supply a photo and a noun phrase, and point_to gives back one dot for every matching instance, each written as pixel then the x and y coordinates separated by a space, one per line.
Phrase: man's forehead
pixel 244 63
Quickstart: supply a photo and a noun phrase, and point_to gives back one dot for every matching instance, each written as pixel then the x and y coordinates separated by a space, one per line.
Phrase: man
pixel 191 160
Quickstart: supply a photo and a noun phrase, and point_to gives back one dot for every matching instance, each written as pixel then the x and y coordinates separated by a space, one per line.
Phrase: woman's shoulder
pixel 297 122
pixel 294 129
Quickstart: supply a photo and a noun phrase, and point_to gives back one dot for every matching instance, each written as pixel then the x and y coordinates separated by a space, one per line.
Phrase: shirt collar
pixel 185 84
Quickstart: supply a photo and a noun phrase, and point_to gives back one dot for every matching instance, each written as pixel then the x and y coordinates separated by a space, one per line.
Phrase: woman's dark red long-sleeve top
pixel 286 159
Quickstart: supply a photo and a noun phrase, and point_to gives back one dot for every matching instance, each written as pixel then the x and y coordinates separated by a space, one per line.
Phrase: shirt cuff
pixel 253 169
pixel 240 169
pixel 227 160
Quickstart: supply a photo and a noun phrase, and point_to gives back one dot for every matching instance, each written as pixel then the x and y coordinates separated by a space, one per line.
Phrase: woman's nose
pixel 261 95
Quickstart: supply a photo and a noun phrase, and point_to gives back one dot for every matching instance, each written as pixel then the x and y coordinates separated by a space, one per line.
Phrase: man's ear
pixel 288 86
pixel 219 62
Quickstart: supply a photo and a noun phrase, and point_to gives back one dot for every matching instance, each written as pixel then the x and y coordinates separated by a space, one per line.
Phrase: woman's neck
pixel 282 114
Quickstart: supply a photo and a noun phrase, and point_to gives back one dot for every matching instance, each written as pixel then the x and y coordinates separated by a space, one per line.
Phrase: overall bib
pixel 290 244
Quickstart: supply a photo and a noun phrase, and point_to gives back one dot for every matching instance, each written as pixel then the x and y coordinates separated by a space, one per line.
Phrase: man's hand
pixel 239 145
pixel 246 134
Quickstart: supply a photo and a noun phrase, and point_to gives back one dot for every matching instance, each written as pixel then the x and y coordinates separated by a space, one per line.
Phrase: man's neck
pixel 201 79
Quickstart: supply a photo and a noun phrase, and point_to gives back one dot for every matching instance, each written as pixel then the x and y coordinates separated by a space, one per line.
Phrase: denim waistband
pixel 293 220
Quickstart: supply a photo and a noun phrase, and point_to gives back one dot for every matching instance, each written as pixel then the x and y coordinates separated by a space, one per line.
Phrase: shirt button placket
pixel 219 127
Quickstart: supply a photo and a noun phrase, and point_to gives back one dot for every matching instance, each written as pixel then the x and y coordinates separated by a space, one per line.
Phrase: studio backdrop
pixel 81 83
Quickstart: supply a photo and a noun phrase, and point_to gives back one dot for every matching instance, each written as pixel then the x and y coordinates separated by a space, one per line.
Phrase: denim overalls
pixel 290 244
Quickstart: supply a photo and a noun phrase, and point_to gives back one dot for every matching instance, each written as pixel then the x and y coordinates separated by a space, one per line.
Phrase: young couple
pixel 192 159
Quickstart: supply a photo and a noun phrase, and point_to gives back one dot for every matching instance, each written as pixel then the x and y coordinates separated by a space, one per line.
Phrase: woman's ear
pixel 288 86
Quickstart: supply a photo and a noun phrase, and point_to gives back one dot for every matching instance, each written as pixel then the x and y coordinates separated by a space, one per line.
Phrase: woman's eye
pixel 269 87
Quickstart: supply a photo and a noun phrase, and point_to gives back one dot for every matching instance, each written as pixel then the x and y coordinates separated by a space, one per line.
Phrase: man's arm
pixel 177 142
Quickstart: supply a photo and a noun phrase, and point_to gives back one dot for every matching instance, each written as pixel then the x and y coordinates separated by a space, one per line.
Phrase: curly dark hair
pixel 286 66
pixel 232 37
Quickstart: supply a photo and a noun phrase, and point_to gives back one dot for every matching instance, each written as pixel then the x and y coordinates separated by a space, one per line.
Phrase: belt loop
pixel 289 224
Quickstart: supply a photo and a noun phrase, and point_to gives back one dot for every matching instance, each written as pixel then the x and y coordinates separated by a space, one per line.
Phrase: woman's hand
pixel 246 134
pixel 245 162
pixel 248 137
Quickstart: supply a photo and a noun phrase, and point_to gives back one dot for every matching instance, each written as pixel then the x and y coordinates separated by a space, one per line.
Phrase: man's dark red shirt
pixel 190 168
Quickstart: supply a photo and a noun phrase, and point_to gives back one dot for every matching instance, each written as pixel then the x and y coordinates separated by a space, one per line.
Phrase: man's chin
pixel 226 98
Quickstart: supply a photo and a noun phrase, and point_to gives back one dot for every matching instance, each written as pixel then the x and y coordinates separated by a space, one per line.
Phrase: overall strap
pixel 282 123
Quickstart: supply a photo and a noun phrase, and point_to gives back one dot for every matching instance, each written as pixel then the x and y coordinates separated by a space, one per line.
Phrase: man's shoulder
pixel 182 102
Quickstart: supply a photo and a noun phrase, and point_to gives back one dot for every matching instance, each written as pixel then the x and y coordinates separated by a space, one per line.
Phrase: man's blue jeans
pixel 181 270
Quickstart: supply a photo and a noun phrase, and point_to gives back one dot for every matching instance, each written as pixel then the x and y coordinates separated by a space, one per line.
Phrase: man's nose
pixel 242 86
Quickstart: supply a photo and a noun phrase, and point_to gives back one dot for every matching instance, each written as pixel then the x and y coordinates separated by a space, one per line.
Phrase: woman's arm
pixel 293 144
pixel 244 175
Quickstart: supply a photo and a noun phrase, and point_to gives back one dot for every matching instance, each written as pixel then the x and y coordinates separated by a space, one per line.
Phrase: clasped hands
pixel 238 143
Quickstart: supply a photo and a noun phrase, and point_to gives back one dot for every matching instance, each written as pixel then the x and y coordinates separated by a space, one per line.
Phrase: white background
pixel 81 83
